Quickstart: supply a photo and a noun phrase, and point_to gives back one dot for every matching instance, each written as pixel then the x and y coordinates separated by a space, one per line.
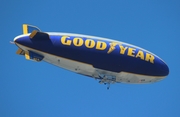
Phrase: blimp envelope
pixel 108 60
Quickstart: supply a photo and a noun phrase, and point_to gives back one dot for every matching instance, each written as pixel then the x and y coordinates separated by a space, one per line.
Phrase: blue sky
pixel 31 89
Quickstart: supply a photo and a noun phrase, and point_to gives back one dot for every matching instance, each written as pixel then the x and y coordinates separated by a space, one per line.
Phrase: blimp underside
pixel 108 60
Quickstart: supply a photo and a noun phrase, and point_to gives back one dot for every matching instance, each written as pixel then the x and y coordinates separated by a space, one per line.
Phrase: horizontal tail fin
pixel 29 28
pixel 20 52
pixel 29 55
pixel 39 35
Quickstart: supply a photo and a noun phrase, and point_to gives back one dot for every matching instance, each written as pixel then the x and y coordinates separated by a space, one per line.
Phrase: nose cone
pixel 162 68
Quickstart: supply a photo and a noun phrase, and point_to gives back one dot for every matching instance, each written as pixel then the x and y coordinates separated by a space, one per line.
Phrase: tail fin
pixel 29 28
pixel 20 52
pixel 29 55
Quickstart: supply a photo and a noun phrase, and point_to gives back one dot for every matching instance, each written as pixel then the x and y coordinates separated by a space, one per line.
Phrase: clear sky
pixel 31 89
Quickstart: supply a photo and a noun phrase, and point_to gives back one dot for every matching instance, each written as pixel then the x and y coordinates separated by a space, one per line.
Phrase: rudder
pixel 29 28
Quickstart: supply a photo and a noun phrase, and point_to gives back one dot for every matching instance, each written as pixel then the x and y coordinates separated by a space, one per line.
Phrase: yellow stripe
pixel 25 29
pixel 33 34
pixel 27 55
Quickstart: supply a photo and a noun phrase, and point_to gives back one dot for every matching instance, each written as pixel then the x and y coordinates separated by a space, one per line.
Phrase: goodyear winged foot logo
pixel 112 47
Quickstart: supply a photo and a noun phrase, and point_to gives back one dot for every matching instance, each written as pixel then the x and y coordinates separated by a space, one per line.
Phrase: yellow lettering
pixel 149 57
pixel 78 41
pixel 122 49
pixel 64 40
pixel 131 52
pixel 140 54
pixel 89 43
pixel 101 45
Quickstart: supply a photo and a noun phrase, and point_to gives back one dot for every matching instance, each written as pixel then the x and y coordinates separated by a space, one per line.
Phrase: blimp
pixel 106 60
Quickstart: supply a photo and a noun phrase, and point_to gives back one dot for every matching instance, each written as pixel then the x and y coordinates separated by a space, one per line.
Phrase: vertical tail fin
pixel 29 28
